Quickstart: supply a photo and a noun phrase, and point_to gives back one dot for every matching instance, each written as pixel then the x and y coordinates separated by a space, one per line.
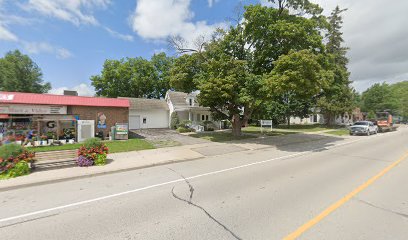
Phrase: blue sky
pixel 70 39
pixel 71 43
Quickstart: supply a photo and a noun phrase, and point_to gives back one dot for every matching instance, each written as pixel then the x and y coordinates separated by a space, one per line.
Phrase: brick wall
pixel 113 115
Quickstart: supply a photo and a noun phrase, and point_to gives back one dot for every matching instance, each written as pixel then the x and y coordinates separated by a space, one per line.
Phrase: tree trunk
pixel 288 119
pixel 236 126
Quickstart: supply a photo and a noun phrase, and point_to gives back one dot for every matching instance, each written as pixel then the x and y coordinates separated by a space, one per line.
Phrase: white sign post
pixel 266 123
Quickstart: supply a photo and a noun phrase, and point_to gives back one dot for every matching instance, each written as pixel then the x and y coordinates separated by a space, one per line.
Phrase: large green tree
pixel 231 72
pixel 134 77
pixel 338 96
pixel 19 73
pixel 298 78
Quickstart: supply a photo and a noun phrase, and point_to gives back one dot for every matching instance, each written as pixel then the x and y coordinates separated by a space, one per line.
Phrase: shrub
pixel 93 151
pixel 184 130
pixel 174 122
pixel 185 124
pixel 14 161
pixel 10 150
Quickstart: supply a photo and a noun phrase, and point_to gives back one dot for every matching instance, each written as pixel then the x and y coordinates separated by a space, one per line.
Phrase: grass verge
pixel 114 146
pixel 341 132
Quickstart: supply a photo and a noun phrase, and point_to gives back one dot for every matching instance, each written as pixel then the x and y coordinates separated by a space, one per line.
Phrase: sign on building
pixel 32 109
pixel 121 131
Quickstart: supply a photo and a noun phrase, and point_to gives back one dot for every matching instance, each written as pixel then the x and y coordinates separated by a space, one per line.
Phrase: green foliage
pixel 184 124
pixel 134 77
pixel 184 73
pixel 19 73
pixel 10 150
pixel 184 130
pixel 100 159
pixel 338 96
pixel 371 115
pixel 20 169
pixel 380 97
pixel 93 143
pixel 174 121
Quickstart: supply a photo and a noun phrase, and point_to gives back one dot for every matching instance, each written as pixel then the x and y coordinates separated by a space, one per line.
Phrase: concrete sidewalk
pixel 126 161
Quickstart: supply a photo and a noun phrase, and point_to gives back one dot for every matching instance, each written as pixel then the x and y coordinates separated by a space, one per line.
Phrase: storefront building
pixel 58 116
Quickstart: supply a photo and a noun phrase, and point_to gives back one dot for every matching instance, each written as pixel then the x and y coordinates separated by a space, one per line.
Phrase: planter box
pixel 63 141
pixel 44 143
pixel 37 143
pixel 19 142
pixel 71 141
pixel 50 141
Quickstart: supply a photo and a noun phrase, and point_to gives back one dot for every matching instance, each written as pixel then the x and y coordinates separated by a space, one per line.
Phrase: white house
pixel 148 113
pixel 187 108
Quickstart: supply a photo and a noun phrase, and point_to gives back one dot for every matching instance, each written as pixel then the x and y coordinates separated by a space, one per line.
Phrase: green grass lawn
pixel 266 131
pixel 340 132
pixel 295 128
pixel 114 146
pixel 220 136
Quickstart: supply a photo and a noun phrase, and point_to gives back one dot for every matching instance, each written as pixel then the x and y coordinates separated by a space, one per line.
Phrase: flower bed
pixel 14 161
pixel 93 152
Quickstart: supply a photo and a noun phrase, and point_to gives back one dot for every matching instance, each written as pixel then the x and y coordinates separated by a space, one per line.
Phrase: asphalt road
pixel 315 190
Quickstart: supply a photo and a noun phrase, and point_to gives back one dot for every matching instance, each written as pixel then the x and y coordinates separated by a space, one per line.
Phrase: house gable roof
pixel 146 104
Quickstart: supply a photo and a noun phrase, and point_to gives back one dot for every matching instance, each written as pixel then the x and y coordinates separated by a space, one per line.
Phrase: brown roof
pixel 145 104
pixel 178 98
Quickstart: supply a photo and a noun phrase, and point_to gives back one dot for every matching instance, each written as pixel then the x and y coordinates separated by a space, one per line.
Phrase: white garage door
pixel 134 122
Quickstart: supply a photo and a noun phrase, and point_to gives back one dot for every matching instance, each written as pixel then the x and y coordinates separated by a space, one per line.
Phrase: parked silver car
pixel 363 128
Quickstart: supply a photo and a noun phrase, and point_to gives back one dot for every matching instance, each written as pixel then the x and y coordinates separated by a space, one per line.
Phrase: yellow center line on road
pixel 342 201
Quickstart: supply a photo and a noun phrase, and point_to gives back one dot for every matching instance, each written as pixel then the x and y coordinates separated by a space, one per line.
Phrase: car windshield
pixel 361 123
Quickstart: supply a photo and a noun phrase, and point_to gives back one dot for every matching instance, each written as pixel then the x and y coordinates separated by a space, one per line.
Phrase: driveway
pixel 167 137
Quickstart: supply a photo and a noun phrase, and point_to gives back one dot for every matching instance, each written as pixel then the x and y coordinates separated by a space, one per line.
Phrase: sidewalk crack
pixel 191 203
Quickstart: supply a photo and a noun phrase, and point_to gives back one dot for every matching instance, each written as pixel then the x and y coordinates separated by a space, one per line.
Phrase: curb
pixel 50 181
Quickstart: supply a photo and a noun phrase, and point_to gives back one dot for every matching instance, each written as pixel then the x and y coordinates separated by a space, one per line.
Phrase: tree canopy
pixel 134 77
pixel 19 73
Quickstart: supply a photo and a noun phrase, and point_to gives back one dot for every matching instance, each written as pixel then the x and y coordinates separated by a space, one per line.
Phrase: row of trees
pixel 276 62
pixel 380 97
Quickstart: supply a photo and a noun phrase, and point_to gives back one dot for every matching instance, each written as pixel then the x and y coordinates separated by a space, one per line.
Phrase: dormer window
pixel 190 101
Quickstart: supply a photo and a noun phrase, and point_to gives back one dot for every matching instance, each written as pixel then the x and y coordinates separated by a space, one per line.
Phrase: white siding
pixel 155 118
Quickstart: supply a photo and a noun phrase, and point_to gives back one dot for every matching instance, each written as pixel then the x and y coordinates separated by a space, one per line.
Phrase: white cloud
pixel 82 89
pixel 75 11
pixel 6 35
pixel 44 47
pixel 159 19
pixel 211 2
pixel 124 37
pixel 63 53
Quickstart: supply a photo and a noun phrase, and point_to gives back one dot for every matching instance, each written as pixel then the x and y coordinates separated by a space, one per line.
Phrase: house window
pixel 206 117
pixel 202 117
pixel 190 101
pixel 315 118
pixel 144 120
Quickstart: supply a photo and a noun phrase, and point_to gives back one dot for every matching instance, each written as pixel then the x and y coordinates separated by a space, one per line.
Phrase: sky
pixel 71 39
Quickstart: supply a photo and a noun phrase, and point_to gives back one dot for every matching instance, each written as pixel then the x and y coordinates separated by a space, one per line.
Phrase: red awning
pixel 4 116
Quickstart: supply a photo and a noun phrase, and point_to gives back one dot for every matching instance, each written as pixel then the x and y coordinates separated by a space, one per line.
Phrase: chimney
pixel 70 93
